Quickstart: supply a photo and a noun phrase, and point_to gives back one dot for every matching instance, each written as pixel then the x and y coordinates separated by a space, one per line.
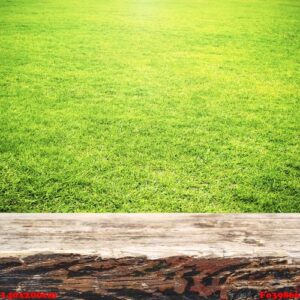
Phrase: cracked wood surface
pixel 90 277
pixel 150 256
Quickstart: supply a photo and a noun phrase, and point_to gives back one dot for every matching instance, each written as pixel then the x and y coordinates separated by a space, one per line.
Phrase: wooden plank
pixel 152 235
pixel 90 277
pixel 150 256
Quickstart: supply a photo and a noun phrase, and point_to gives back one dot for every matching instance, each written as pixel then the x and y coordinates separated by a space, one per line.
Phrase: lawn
pixel 149 105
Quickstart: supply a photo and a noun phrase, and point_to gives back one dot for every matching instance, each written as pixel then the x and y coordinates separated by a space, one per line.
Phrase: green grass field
pixel 149 105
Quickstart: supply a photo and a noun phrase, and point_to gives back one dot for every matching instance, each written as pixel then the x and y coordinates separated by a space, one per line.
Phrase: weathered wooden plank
pixel 152 235
pixel 150 256
pixel 90 277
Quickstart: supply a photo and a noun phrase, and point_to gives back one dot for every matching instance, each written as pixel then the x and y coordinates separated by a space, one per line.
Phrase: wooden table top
pixel 152 235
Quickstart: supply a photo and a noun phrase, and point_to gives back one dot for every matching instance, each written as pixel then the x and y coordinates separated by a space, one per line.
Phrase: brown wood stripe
pixel 91 277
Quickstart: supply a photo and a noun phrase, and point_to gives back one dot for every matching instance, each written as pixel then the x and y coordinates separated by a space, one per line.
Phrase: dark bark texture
pixel 90 277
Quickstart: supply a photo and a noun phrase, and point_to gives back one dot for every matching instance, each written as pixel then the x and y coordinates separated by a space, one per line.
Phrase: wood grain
pixel 150 256
pixel 90 277
pixel 152 235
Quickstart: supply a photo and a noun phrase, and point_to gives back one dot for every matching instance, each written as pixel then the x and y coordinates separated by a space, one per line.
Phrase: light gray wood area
pixel 151 235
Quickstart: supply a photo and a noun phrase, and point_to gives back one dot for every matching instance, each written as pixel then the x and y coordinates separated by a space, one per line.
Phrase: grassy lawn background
pixel 149 105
